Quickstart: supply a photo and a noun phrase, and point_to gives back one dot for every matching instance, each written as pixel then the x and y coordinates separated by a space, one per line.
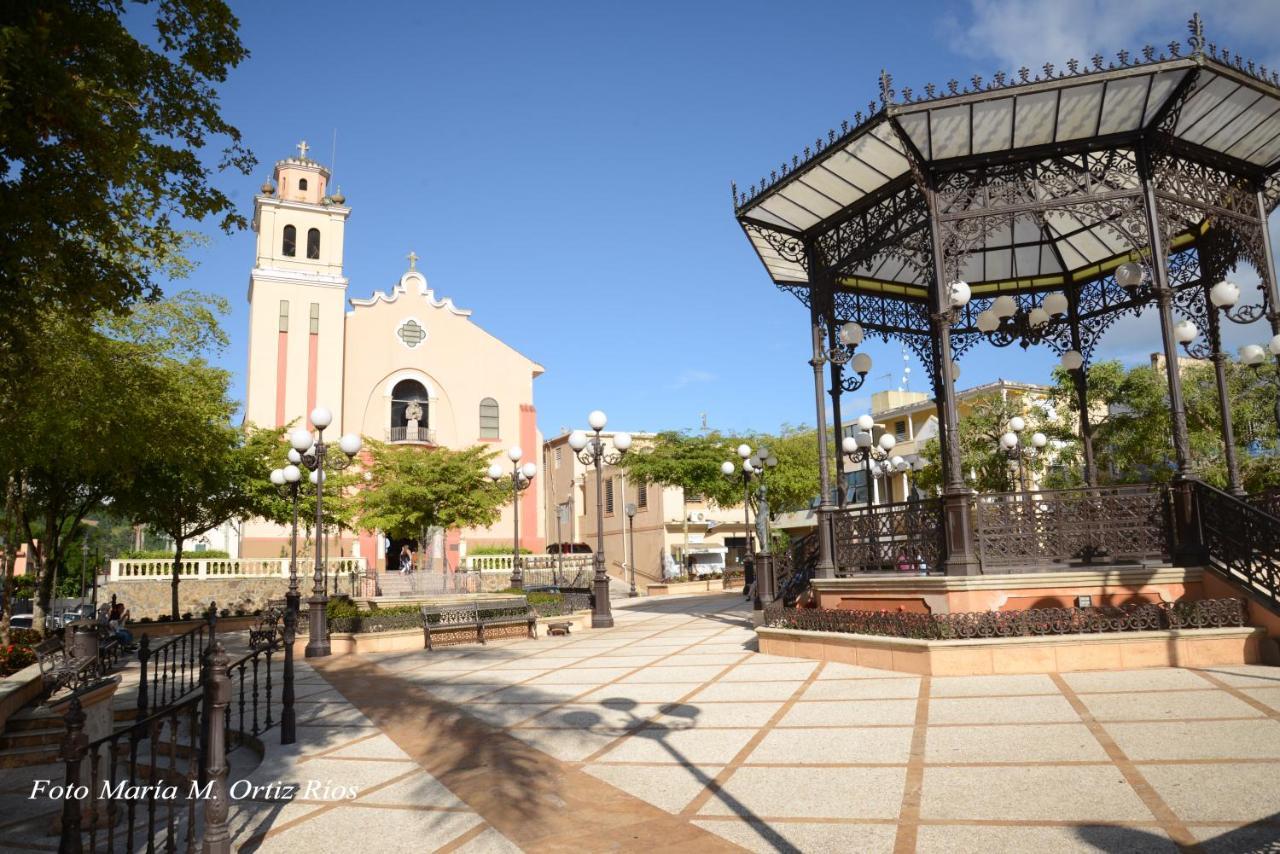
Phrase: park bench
pixel 58 669
pixel 478 614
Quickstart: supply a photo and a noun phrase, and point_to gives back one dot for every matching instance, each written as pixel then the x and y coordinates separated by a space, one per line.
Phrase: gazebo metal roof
pixel 1078 128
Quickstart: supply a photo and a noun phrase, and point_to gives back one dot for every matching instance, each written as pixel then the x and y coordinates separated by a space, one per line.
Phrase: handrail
pixel 1241 540
pixel 173 667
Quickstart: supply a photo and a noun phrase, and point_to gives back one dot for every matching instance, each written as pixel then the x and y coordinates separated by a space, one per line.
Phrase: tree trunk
pixel 177 572
pixel 9 557
pixel 45 558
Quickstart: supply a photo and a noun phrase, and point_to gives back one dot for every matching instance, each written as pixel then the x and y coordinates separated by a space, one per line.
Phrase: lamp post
pixel 753 465
pixel 1017 452
pixel 631 546
pixel 287 481
pixel 314 458
pixel 862 448
pixel 590 451
pixel 521 476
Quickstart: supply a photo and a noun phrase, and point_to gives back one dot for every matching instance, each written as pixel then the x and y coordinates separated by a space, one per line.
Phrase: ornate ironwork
pixel 1060 526
pixel 1033 622
pixel 1242 540
pixel 906 537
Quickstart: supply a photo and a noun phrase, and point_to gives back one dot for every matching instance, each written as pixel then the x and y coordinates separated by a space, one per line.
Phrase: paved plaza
pixel 669 733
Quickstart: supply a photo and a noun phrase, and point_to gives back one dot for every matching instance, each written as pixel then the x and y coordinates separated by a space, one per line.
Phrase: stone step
pixel 38 717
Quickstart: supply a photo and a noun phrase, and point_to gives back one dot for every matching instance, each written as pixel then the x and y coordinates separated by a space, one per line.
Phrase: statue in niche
pixel 412 414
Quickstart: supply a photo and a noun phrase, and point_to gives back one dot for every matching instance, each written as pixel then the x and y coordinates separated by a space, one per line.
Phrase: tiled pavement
pixel 669 733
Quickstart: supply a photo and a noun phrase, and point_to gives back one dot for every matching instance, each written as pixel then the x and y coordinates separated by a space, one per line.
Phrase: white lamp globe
pixel 1184 332
pixel 887 441
pixel 987 321
pixel 897 462
pixel 294 456
pixel 350 444
pixel 292 474
pixel 1005 306
pixel 955 370
pixel 848 444
pixel 277 477
pixel 1055 303
pixel 1039 440
pixel 747 467
pixel 771 461
pixel 528 470
pixel 726 468
pixel 1009 440
pixel 597 419
pixel 1129 275
pixel 1038 316
pixel 851 334
pixel 300 439
pixel 865 423
pixel 622 441
pixel 1017 424
pixel 514 453
pixel 861 363
pixel 762 453
pixel 1224 294
pixel 1274 346
pixel 1252 355
pixel 577 440
pixel 495 471
pixel 744 451
pixel 318 477
pixel 958 294
pixel 321 417
pixel 1072 360
pixel 863 440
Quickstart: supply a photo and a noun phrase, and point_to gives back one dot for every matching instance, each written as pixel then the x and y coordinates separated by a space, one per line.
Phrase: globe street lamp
pixel 521 476
pixel 1017 452
pixel 753 465
pixel 314 458
pixel 590 452
pixel 287 480
pixel 631 545
pixel 862 448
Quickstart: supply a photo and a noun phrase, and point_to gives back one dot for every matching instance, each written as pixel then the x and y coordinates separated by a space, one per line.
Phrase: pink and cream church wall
pixel 368 359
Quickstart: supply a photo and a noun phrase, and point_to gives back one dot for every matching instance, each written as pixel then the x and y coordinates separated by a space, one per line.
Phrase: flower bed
pixel 20 652
pixel 1206 613
pixel 345 616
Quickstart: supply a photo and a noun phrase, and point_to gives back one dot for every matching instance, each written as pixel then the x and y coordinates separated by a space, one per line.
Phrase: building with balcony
pixel 403 366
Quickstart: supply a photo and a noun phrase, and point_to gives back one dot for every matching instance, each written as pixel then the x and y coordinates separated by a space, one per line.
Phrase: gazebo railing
pixel 1086 525
pixel 1241 541
pixel 905 537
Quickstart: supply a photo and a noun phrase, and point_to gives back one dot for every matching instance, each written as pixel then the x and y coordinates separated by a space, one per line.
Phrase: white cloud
pixel 691 377
pixel 1032 32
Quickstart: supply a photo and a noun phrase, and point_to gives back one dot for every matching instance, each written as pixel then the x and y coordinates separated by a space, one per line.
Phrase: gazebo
pixel 1034 208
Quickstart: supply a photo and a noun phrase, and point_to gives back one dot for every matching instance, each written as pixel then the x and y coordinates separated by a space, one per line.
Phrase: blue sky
pixel 563 171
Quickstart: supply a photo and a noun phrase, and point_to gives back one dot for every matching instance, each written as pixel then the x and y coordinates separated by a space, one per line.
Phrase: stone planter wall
pixel 150 597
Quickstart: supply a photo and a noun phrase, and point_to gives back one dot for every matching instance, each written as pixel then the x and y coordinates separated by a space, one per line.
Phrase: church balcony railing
pixel 416 435
pixel 161 569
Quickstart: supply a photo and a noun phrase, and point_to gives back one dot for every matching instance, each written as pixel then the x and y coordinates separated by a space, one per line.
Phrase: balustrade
pixel 161 569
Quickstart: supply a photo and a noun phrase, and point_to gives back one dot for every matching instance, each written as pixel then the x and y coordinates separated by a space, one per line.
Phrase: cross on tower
pixel 302 149
pixel 413 260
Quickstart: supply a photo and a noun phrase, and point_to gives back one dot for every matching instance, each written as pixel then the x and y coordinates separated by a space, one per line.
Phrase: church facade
pixel 401 366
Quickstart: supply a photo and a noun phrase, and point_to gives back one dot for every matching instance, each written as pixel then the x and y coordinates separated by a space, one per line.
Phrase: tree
pixel 689 461
pixel 410 490
pixel 199 477
pixel 101 136
pixel 794 482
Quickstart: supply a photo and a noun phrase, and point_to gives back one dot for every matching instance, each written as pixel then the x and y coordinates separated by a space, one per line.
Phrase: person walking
pixel 406 560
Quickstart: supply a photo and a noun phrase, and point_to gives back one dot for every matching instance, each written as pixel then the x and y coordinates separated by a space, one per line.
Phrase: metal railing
pixel 569 562
pixel 172 670
pixel 161 569
pixel 1241 541
pixel 422 435
pixel 905 537
pixel 1089 525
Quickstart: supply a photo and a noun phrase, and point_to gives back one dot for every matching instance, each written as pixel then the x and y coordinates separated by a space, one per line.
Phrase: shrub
pixel 166 554
pixel 495 550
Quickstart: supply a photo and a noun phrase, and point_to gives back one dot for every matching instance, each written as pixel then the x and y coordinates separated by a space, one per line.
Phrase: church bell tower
pixel 297 297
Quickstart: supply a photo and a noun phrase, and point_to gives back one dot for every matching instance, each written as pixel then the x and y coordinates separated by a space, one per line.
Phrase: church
pixel 401 366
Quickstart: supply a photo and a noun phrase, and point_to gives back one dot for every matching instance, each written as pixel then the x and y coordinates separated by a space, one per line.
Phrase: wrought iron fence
pixel 793 568
pixel 1241 540
pixel 905 536
pixel 1090 525
pixel 1267 502
pixel 172 669
pixel 1206 613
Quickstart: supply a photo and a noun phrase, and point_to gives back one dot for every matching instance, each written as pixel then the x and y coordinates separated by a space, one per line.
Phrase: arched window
pixel 313 243
pixel 409 399
pixel 302 183
pixel 290 245
pixel 489 419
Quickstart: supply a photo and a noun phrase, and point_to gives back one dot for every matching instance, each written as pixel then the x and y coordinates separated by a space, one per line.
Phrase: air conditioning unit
pixel 698 516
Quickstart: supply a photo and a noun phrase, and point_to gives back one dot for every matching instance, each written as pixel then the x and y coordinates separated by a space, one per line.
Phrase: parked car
pixel 20 621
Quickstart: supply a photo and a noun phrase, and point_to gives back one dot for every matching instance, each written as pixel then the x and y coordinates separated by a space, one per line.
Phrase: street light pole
pixel 521 477
pixel 1015 451
pixel 590 451
pixel 631 546
pixel 314 457
pixel 288 480
pixel 752 465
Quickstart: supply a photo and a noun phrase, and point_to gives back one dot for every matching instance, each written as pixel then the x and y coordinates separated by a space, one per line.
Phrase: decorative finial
pixel 886 88
pixel 413 260
pixel 1196 27
pixel 733 187
pixel 303 148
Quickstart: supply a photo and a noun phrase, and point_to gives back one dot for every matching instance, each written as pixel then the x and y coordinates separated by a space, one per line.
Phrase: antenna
pixel 704 426
pixel 333 153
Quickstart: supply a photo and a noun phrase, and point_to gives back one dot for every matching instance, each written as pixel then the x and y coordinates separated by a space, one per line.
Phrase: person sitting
pixel 117 616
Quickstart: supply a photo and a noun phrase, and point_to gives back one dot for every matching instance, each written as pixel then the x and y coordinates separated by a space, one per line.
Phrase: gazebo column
pixel 837 379
pixel 1212 269
pixel 818 295
pixel 956 497
pixel 1187 549
pixel 1268 274
pixel 1080 379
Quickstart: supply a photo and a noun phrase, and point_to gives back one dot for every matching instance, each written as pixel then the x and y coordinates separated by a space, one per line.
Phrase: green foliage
pixel 167 554
pixel 102 134
pixel 494 550
pixel 411 490
pixel 267 448
pixel 687 460
pixel 793 483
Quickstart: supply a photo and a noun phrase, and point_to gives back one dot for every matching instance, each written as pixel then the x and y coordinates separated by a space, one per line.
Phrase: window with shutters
pixel 284 315
pixel 608 497
pixel 289 246
pixel 313 243
pixel 642 495
pixel 315 318
pixel 489 419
